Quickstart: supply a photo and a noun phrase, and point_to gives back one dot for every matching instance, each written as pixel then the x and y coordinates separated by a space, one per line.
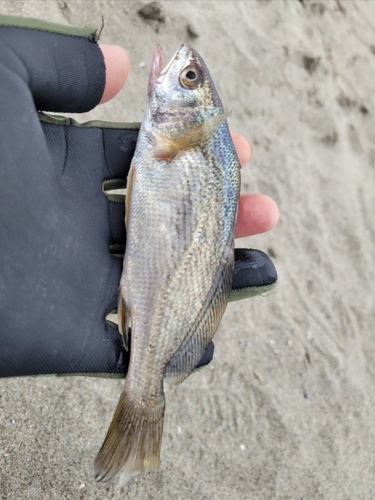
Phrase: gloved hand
pixel 58 277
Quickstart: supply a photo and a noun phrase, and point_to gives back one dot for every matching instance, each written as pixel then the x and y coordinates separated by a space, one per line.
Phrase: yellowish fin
pixel 129 188
pixel 166 148
pixel 123 321
pixel 133 440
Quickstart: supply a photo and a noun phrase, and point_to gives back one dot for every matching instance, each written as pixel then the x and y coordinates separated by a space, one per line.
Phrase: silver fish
pixel 181 209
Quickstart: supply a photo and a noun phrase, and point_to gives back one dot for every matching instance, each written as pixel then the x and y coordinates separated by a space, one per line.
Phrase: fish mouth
pixel 157 67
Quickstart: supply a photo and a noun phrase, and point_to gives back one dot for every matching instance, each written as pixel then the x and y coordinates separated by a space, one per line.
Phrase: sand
pixel 286 409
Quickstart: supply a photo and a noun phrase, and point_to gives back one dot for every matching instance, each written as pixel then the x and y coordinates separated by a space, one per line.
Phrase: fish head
pixel 180 89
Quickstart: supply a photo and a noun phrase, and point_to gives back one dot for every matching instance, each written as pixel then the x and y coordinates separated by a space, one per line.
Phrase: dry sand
pixel 286 409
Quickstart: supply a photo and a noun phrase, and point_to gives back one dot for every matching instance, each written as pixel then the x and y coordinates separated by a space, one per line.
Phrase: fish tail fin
pixel 133 441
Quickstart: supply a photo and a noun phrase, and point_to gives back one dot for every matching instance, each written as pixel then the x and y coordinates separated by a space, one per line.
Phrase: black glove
pixel 58 277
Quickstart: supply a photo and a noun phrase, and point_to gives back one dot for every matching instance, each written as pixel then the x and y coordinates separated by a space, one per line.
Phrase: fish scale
pixel 181 209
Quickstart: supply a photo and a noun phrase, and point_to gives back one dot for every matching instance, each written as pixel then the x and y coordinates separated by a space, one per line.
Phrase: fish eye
pixel 191 77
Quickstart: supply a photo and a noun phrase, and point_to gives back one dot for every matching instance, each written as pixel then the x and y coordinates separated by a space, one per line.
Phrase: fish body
pixel 181 209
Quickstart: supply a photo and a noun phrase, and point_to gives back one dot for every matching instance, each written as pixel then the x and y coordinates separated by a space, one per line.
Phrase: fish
pixel 181 208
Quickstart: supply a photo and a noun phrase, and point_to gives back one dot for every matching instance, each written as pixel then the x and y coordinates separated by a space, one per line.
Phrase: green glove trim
pixel 115 190
pixel 117 376
pixel 88 32
pixel 251 291
pixel 65 120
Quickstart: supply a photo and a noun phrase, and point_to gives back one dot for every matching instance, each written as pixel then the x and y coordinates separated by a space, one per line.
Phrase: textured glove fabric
pixel 58 279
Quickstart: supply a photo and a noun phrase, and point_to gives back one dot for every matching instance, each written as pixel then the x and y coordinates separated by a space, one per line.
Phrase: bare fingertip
pixel 257 213
pixel 272 210
pixel 243 148
pixel 117 65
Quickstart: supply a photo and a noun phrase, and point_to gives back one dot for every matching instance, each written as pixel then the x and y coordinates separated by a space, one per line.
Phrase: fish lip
pixel 157 67
pixel 175 57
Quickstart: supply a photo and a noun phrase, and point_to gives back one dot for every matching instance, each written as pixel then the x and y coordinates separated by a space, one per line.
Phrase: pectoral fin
pixel 166 148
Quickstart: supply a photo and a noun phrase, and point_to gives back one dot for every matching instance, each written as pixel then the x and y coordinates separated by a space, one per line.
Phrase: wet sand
pixel 286 409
